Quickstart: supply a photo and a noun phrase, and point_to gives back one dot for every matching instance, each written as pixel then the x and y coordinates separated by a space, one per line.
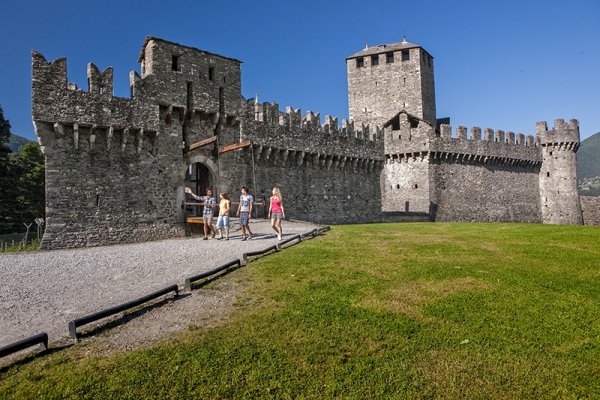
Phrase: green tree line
pixel 21 183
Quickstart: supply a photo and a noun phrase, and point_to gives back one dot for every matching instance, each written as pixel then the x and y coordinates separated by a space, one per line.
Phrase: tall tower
pixel 558 174
pixel 386 79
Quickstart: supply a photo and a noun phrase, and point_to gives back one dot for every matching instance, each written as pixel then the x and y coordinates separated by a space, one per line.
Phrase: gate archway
pixel 200 173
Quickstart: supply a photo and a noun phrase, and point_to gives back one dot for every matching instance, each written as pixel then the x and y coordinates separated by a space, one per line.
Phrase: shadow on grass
pixel 30 355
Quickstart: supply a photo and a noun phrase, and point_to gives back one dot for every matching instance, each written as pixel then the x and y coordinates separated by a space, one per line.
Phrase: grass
pixel 15 247
pixel 444 310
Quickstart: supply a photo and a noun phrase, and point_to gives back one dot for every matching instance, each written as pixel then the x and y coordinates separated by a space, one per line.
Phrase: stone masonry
pixel 116 168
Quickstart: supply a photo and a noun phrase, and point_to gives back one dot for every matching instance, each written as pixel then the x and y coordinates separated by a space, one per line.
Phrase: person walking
pixel 244 211
pixel 207 214
pixel 223 220
pixel 276 212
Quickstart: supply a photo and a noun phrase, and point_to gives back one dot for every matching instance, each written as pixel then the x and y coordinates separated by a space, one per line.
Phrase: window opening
pixel 389 57
pixel 548 174
pixel 416 186
pixel 211 73
pixel 221 101
pixel 405 55
pixel 190 95
pixel 175 63
pixel 375 60
pixel 360 62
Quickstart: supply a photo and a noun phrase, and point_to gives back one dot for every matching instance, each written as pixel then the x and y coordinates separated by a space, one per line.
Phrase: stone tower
pixel 558 174
pixel 386 79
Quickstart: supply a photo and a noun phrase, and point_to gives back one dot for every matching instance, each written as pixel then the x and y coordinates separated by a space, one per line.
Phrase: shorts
pixel 223 221
pixel 207 218
pixel 244 218
pixel 276 215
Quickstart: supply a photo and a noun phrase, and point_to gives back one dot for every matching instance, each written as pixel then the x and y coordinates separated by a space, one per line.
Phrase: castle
pixel 116 168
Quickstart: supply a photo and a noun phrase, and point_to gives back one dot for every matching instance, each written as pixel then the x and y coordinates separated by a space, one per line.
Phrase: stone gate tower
pixel 386 79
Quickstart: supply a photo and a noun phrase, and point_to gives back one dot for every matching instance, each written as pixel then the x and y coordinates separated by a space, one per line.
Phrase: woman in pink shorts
pixel 276 212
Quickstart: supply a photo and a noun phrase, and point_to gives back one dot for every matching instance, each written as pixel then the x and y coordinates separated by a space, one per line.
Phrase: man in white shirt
pixel 244 211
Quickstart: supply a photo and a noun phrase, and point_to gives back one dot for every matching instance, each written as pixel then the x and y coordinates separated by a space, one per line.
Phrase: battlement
pixel 270 114
pixel 495 143
pixel 48 73
pixel 562 134
pixel 267 126
pixel 55 100
pixel 414 135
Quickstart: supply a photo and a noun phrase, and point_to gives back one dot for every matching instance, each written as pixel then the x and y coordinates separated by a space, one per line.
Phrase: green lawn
pixel 421 310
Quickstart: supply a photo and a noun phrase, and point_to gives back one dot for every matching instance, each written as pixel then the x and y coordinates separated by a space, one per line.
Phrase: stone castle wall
pixel 590 207
pixel 110 177
pixel 492 177
pixel 326 174
pixel 116 168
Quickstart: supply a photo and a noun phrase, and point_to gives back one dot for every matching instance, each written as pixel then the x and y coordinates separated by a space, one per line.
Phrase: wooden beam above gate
pixel 202 143
pixel 235 146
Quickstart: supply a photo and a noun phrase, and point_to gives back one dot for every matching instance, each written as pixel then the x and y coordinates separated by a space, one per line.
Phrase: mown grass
pixel 443 310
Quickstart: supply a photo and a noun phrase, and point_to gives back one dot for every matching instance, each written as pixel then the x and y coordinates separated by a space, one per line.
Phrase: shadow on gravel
pixel 127 316
pixel 202 283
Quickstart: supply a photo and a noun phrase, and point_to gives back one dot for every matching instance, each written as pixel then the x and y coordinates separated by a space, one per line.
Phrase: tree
pixel 4 128
pixel 7 178
pixel 30 200
pixel 21 183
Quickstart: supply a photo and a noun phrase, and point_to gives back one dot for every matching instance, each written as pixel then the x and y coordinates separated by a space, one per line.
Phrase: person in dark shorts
pixel 244 211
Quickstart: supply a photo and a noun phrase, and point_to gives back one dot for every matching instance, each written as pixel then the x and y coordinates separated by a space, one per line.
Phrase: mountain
pixel 14 142
pixel 588 166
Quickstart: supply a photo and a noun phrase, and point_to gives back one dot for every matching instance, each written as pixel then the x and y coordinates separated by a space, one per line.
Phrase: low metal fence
pixel 111 311
pixel 25 343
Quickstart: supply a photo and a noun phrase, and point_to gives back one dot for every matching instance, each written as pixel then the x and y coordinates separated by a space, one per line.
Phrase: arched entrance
pixel 200 174
pixel 198 178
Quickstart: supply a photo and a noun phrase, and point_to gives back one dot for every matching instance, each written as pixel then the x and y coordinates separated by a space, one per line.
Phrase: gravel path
pixel 43 291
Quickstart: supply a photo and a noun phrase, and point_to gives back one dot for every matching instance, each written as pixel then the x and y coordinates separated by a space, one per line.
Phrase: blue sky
pixel 501 65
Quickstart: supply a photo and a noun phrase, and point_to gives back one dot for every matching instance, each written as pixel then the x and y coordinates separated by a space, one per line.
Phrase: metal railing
pixel 25 343
pixel 114 310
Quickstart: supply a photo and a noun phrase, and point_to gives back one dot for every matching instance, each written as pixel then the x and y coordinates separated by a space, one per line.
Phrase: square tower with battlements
pixel 386 79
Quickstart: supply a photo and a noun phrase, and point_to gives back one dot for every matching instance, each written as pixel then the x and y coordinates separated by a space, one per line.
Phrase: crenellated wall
pixel 466 177
pixel 116 168
pixel 327 174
